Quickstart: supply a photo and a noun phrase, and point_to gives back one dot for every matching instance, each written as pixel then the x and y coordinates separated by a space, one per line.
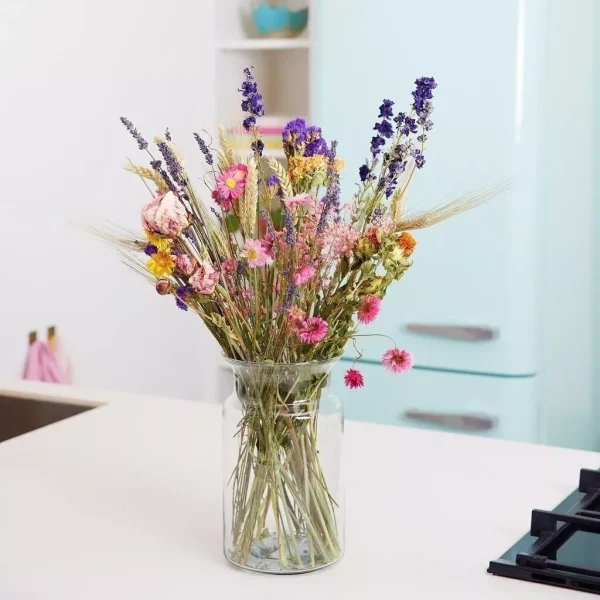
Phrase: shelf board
pixel 265 44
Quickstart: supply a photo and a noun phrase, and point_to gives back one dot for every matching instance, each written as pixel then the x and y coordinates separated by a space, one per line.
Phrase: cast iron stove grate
pixel 563 546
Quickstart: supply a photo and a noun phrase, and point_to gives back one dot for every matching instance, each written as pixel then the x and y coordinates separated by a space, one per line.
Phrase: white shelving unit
pixel 281 67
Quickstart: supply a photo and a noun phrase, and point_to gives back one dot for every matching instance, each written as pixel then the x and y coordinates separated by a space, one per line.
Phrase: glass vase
pixel 283 504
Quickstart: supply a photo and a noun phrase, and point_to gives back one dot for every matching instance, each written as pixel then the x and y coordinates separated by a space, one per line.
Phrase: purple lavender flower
pixel 252 100
pixel 214 212
pixel 157 166
pixel 150 249
pixel 142 143
pixel 423 92
pixel 294 132
pixel 317 146
pixel 399 119
pixel 180 304
pixel 385 110
pixel 268 221
pixel 410 126
pixel 272 180
pixel 378 215
pixel 289 296
pixel 290 236
pixel 376 143
pixel 208 157
pixel 258 146
pixel 172 163
pixel 183 292
pixel 419 158
pixel 332 196
pixel 313 133
pixel 168 135
pixel 363 172
pixel 385 128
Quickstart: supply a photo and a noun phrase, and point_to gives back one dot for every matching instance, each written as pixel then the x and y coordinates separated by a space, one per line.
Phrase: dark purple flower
pixel 313 133
pixel 142 143
pixel 258 146
pixel 399 120
pixel 294 132
pixel 423 92
pixel 180 304
pixel 376 143
pixel 419 159
pixel 252 100
pixel 168 135
pixel 208 157
pixel 317 146
pixel 410 126
pixel 385 128
pixel 385 110
pixel 363 172
pixel 184 291
pixel 289 296
pixel 150 249
pixel 378 214
pixel 272 180
pixel 332 195
pixel 157 166
pixel 172 163
pixel 268 221
pixel 249 122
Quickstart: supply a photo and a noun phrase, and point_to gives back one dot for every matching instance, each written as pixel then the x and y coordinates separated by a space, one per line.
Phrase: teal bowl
pixel 279 21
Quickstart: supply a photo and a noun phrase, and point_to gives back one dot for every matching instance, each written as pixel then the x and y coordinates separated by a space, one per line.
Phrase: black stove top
pixel 563 546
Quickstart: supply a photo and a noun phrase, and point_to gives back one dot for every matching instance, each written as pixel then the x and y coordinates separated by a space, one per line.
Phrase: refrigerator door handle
pixel 469 333
pixel 467 422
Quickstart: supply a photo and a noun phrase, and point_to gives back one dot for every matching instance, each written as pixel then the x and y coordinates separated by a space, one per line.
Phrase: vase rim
pixel 234 362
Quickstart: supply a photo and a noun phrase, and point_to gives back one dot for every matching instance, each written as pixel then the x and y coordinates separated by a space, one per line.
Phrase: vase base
pixel 264 558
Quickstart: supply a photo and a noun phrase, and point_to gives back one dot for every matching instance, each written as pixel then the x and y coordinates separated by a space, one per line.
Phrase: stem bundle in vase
pixel 283 273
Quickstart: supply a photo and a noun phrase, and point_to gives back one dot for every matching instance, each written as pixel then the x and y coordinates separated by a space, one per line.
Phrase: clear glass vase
pixel 283 504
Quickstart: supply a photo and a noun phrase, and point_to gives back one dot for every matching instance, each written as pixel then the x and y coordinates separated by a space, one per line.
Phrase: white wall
pixel 68 70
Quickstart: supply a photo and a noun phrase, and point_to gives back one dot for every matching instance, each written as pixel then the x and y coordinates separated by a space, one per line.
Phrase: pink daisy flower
pixel 368 309
pixel 313 330
pixel 354 379
pixel 222 202
pixel 301 276
pixel 397 361
pixel 230 183
pixel 254 252
pixel 297 200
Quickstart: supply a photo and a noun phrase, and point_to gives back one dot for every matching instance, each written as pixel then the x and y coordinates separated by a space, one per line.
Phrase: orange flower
pixel 407 242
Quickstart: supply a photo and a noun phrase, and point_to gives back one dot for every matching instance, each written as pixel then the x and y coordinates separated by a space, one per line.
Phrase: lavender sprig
pixel 172 163
pixel 251 100
pixel 142 143
pixel 290 236
pixel 157 166
pixel 208 157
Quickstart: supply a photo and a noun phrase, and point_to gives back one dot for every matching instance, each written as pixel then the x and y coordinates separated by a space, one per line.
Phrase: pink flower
pixel 185 264
pixel 230 183
pixel 302 275
pixel 313 330
pixel 296 317
pixel 205 279
pixel 298 200
pixel 397 361
pixel 254 252
pixel 228 265
pixel 354 379
pixel 267 246
pixel 165 214
pixel 224 204
pixel 368 309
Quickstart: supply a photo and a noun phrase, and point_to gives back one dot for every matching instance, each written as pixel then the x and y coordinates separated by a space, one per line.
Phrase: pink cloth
pixel 41 364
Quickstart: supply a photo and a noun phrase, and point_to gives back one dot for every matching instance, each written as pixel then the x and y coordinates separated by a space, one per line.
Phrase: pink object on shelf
pixel 41 364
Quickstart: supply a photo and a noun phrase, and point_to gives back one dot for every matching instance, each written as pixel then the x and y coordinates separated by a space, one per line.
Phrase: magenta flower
pixel 297 200
pixel 397 361
pixel 205 278
pixel 313 330
pixel 354 379
pixel 231 183
pixel 256 255
pixel 301 276
pixel 368 309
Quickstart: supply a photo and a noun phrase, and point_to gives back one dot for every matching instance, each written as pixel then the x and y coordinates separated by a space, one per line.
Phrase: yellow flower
pixel 302 166
pixel 338 164
pixel 161 263
pixel 163 244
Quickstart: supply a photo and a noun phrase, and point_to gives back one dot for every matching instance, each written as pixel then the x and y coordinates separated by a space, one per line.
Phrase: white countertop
pixel 124 502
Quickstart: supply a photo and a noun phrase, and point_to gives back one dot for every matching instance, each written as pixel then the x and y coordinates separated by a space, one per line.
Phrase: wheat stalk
pixel 250 200
pixel 149 174
pixel 227 157
pixel 284 180
pixel 427 218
